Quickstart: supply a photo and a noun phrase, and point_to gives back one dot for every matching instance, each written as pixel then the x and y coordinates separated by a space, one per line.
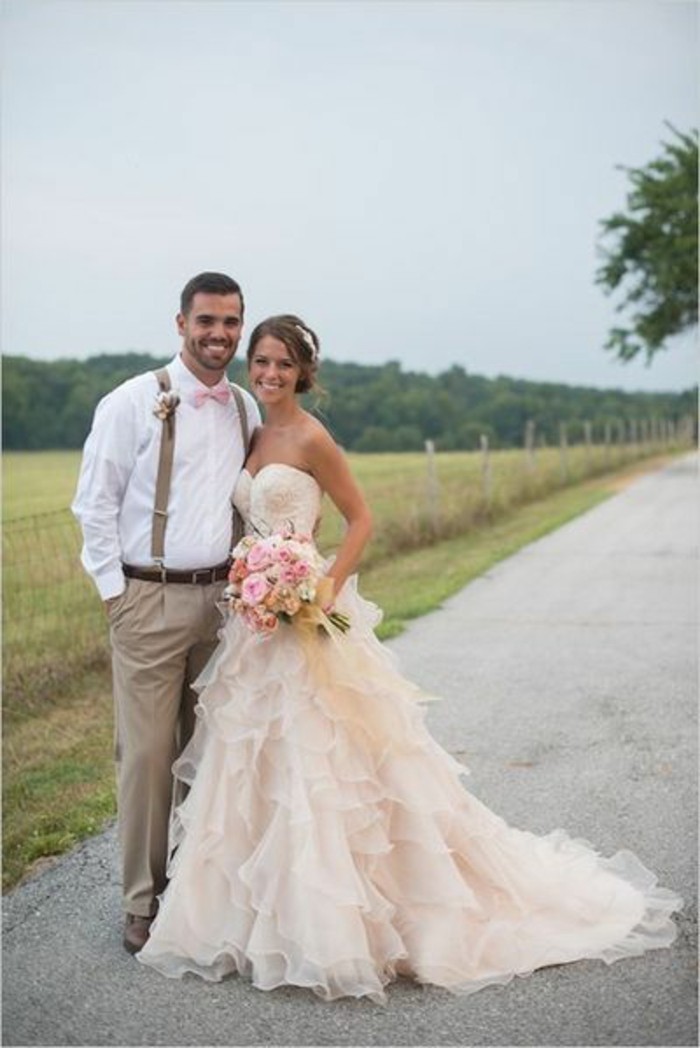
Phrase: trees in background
pixel 367 408
pixel 50 404
pixel 654 257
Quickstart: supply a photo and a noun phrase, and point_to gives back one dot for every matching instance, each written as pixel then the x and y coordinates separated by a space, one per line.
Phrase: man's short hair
pixel 210 284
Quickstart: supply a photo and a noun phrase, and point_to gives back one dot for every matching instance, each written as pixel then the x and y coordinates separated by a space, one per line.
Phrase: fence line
pixel 438 514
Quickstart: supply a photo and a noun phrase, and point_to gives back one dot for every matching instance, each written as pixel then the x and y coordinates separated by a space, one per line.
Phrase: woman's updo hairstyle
pixel 300 340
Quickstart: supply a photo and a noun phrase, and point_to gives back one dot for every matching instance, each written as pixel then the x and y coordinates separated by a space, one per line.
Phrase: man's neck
pixel 203 375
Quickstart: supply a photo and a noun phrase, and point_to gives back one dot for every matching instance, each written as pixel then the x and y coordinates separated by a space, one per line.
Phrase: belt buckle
pixel 207 573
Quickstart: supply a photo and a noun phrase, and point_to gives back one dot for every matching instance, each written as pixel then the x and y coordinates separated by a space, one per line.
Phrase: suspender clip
pixel 160 566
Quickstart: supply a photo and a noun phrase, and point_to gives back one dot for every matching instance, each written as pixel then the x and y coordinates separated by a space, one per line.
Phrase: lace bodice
pixel 278 495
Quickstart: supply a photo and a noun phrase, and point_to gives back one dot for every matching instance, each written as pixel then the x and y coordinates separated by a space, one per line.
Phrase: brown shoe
pixel 136 932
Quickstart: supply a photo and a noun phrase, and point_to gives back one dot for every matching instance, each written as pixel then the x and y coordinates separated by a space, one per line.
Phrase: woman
pixel 326 841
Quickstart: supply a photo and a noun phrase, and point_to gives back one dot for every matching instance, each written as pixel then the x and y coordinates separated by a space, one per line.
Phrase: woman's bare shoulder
pixel 315 437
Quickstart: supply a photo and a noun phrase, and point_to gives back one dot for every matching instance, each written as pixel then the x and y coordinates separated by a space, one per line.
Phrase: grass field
pixel 37 482
pixel 437 527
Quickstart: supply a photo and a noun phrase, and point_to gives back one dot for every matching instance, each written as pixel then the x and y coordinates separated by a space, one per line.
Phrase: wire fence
pixel 53 623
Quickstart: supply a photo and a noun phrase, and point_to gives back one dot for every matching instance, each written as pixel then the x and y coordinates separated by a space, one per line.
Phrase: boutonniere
pixel 166 402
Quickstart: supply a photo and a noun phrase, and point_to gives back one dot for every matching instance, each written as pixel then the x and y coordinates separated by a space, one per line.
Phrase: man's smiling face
pixel 211 331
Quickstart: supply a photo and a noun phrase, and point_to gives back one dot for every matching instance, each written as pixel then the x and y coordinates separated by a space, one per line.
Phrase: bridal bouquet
pixel 280 578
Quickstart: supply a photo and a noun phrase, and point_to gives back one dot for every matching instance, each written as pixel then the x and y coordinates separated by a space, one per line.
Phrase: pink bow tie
pixel 220 392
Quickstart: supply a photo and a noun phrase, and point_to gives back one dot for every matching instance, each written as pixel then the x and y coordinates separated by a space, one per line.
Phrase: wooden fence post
pixel 433 486
pixel 608 442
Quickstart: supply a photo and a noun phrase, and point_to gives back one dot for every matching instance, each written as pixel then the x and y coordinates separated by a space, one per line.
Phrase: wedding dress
pixel 327 841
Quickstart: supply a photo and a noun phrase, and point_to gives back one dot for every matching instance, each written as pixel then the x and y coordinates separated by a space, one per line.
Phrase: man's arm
pixel 108 460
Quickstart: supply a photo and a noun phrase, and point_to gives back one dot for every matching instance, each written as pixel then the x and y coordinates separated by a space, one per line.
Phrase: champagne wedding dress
pixel 328 843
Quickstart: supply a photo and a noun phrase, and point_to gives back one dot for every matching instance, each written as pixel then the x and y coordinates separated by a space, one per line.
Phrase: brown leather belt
pixel 200 577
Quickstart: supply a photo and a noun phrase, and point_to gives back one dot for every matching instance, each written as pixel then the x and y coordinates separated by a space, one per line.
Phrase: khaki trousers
pixel 162 635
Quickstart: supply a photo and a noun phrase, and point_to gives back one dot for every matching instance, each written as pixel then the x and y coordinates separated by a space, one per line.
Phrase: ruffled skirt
pixel 327 841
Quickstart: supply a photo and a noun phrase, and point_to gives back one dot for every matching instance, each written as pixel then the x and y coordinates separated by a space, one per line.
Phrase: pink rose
pixel 254 589
pixel 259 557
pixel 288 576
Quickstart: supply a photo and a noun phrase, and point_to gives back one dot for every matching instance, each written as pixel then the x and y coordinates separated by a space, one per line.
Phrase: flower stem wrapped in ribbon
pixel 280 578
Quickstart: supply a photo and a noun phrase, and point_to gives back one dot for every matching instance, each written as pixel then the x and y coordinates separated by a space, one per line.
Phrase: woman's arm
pixel 330 468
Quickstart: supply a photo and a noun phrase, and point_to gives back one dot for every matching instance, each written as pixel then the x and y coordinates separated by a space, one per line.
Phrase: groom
pixel 153 501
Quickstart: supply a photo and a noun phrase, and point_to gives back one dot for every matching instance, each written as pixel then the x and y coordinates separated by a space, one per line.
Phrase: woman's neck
pixel 278 416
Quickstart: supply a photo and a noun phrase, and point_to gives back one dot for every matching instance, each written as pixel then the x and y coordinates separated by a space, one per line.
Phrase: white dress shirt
pixel 116 489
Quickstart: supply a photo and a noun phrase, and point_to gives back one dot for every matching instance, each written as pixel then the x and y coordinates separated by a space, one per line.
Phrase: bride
pixel 326 840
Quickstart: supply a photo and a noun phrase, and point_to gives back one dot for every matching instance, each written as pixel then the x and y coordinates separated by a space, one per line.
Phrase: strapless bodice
pixel 276 497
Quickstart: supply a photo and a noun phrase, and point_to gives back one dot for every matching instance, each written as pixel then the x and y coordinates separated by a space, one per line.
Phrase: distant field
pixel 36 482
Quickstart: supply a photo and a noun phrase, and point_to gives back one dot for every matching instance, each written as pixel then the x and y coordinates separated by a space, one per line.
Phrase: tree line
pixel 49 404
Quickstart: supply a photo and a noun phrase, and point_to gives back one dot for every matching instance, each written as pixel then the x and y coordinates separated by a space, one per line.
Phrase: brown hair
pixel 299 339
pixel 210 284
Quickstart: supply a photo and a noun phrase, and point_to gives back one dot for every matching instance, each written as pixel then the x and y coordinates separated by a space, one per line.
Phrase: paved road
pixel 569 677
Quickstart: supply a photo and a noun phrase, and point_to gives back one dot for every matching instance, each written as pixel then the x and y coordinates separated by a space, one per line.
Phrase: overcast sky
pixel 421 181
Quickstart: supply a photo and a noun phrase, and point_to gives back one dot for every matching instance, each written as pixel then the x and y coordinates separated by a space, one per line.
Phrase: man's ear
pixel 180 321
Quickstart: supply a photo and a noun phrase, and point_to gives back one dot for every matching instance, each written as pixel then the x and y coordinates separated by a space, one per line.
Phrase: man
pixel 161 566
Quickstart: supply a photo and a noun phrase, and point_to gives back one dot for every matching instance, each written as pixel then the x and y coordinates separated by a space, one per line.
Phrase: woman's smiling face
pixel 273 371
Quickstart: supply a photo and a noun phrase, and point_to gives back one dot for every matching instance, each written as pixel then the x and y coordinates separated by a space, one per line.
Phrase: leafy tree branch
pixel 654 257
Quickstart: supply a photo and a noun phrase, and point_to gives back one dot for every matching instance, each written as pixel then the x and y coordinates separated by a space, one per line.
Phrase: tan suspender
pixel 237 526
pixel 242 416
pixel 165 469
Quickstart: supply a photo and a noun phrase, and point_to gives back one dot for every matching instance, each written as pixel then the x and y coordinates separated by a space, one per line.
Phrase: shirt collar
pixel 182 378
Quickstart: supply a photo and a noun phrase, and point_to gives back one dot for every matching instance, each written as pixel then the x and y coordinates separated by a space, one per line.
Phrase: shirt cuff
pixel 110 584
